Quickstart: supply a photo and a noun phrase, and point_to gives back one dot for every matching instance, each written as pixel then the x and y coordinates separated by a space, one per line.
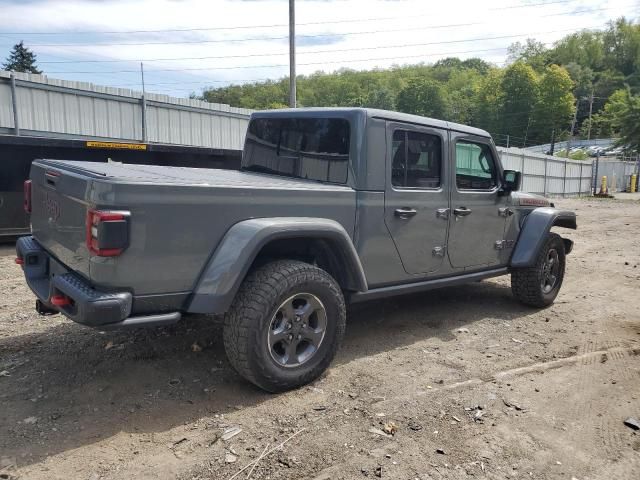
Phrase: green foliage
pixel 520 95
pixel 584 48
pixel 424 97
pixel 576 155
pixel 628 123
pixel 621 117
pixel 622 40
pixel 555 104
pixel 527 100
pixel 489 98
pixel 21 59
pixel 531 52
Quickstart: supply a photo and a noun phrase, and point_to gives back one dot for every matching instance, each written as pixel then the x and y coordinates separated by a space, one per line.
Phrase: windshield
pixel 310 148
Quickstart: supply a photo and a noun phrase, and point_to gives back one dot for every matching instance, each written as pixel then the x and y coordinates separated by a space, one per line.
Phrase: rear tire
pixel 285 325
pixel 538 285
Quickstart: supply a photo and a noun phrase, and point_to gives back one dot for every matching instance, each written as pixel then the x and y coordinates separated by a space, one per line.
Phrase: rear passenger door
pixel 416 197
pixel 477 221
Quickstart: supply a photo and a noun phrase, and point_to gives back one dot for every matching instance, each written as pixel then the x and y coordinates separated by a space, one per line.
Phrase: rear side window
pixel 417 160
pixel 310 148
pixel 475 166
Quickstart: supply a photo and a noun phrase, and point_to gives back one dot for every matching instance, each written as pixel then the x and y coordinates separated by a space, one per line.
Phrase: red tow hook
pixel 19 260
pixel 60 300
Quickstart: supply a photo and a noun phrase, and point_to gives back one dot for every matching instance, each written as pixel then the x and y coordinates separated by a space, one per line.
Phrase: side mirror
pixel 512 181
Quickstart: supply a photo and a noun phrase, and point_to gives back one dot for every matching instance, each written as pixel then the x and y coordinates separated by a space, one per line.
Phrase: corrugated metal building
pixel 66 109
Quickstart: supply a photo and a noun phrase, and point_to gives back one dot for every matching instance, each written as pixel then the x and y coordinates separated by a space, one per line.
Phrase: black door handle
pixel 462 211
pixel 405 212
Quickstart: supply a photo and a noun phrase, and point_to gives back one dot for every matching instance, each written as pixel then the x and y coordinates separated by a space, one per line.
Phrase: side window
pixel 475 166
pixel 417 160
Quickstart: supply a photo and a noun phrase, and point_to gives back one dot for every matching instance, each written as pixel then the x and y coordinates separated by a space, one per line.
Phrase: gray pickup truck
pixel 331 206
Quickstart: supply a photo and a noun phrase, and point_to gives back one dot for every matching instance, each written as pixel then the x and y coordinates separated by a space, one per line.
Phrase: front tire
pixel 285 325
pixel 538 285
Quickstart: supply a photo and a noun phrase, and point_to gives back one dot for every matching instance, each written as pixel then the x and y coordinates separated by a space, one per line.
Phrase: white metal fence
pixel 40 106
pixel 618 173
pixel 547 175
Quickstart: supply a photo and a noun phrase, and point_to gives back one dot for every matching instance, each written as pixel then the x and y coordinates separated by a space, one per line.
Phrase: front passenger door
pixel 477 218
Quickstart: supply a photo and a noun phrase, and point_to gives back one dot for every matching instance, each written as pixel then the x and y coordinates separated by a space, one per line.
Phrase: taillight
pixel 107 232
pixel 27 196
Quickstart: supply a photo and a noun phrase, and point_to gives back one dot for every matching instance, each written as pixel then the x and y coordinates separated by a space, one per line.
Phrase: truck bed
pixel 177 216
pixel 185 176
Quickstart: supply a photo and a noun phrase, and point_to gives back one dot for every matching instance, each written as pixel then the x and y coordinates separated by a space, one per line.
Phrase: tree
pixel 520 94
pixel 461 92
pixel 21 59
pixel 620 117
pixel 476 64
pixel 583 89
pixel 622 43
pixel 489 99
pixel 423 97
pixel 474 92
pixel 555 105
pixel 381 97
pixel 531 52
pixel 585 48
pixel 628 122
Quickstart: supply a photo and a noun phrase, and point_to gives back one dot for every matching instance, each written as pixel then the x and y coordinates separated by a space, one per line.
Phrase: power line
pixel 281 25
pixel 253 39
pixel 446 42
pixel 405 45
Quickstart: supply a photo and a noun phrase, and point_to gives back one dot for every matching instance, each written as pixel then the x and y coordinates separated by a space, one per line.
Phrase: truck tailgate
pixel 59 210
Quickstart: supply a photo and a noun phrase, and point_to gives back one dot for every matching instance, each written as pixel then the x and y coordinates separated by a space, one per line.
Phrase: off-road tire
pixel 526 283
pixel 247 323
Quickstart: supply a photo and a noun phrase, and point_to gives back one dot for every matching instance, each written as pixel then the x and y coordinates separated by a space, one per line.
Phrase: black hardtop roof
pixel 370 112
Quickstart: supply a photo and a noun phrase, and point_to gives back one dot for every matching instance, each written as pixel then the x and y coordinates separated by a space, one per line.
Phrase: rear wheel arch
pixel 251 243
pixel 324 252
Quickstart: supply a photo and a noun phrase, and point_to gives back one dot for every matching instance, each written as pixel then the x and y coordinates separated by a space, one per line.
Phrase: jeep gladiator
pixel 330 206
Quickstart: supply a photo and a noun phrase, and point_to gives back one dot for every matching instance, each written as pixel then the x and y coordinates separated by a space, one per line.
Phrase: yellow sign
pixel 117 146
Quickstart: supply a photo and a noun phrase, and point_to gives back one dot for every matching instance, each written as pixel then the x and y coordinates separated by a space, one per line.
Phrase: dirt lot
pixel 473 384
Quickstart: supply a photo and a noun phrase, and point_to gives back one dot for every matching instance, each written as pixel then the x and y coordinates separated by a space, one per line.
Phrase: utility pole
pixel 590 112
pixel 573 126
pixel 526 133
pixel 553 142
pixel 144 107
pixel 292 54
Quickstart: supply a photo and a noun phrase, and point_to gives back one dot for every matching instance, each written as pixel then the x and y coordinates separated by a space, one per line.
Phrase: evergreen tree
pixel 21 59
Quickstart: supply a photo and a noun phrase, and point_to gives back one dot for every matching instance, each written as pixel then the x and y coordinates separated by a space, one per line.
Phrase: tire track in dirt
pixel 620 358
pixel 615 356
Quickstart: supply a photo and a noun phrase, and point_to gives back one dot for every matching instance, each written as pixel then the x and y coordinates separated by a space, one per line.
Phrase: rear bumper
pixel 49 278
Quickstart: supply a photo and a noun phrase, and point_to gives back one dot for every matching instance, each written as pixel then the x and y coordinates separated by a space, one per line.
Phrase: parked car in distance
pixel 595 150
pixel 331 206
pixel 614 151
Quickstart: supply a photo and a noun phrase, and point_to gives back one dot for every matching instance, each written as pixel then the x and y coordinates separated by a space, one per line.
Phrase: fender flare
pixel 228 265
pixel 534 231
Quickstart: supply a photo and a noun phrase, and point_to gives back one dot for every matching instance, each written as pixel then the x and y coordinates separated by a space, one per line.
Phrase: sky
pixel 187 45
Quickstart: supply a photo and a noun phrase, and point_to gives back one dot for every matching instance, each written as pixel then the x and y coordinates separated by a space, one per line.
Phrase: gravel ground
pixel 467 382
